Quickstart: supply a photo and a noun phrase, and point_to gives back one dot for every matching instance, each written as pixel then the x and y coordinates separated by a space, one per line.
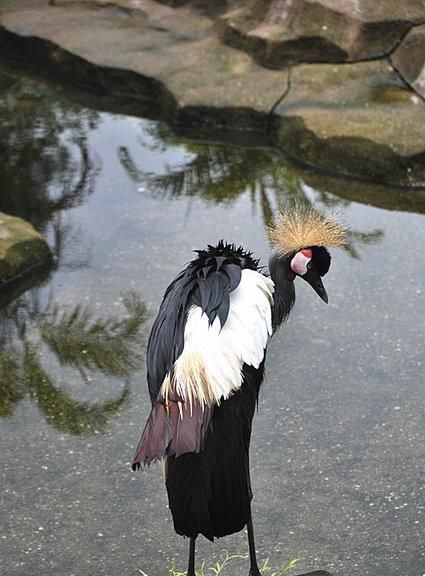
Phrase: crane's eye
pixel 309 265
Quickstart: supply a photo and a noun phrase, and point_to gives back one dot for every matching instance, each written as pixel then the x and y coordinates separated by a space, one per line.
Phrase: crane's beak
pixel 313 278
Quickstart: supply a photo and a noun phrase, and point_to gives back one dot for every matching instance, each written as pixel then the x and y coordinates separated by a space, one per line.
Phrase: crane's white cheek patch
pixel 299 263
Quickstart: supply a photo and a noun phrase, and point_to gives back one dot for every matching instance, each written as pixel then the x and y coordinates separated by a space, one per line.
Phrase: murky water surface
pixel 338 443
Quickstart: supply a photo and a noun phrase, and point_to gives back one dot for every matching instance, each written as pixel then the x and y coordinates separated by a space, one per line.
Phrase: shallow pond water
pixel 338 443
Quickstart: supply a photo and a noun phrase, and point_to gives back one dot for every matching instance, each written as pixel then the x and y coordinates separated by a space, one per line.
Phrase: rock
pixel 23 250
pixel 354 120
pixel 169 59
pixel 409 59
pixel 283 32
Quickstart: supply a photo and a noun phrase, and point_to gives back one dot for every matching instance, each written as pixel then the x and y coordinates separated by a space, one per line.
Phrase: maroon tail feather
pixel 155 438
pixel 169 431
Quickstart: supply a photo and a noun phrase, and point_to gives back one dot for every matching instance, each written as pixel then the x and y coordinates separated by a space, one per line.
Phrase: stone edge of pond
pixel 24 252
pixel 346 156
pixel 342 155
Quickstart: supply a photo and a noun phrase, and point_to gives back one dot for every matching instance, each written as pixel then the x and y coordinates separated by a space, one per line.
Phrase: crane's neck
pixel 284 295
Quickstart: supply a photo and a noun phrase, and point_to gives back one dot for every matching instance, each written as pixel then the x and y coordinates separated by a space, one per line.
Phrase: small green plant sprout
pixel 220 566
pixel 215 570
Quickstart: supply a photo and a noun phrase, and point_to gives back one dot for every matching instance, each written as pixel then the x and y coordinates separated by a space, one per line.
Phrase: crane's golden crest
pixel 304 226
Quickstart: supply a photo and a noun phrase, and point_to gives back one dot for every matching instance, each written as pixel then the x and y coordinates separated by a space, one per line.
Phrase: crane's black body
pixel 208 487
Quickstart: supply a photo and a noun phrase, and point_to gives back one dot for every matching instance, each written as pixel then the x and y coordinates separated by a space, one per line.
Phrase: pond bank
pixel 358 119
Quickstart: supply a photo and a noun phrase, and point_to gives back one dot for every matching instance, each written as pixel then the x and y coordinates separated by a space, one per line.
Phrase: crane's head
pixel 311 264
pixel 299 237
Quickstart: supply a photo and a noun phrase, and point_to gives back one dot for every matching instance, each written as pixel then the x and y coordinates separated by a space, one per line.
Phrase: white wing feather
pixel 209 368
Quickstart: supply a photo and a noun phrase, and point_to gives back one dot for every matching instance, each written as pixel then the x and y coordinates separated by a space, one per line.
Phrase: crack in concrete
pixel 284 95
pixel 271 114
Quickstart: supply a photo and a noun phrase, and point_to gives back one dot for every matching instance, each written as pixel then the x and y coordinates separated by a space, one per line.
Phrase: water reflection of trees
pixel 222 174
pixel 45 164
pixel 218 174
pixel 46 169
pixel 30 332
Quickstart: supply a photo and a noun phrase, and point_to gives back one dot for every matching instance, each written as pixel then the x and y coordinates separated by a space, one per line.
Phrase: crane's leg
pixel 253 570
pixel 191 567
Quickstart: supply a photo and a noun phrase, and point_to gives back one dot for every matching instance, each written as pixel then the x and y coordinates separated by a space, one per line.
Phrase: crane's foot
pixel 254 571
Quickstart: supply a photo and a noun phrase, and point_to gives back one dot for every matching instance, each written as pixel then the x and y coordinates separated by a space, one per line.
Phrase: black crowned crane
pixel 205 366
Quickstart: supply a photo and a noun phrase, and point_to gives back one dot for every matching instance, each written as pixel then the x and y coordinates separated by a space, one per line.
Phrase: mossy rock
pixel 23 251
